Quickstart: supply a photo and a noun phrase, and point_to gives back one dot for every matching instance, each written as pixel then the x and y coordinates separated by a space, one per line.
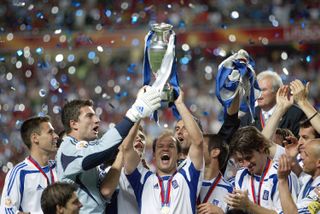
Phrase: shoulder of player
pixel 18 168
pixel 242 172
pixel 225 181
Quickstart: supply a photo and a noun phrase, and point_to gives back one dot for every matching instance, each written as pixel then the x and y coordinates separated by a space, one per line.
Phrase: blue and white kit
pixel 219 192
pixel 268 196
pixel 182 196
pixel 24 185
pixel 307 194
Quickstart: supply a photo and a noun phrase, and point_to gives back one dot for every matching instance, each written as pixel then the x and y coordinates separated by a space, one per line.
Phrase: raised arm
pixel 111 180
pixel 196 148
pixel 300 94
pixel 287 203
pixel 231 121
pixel 131 157
pixel 283 104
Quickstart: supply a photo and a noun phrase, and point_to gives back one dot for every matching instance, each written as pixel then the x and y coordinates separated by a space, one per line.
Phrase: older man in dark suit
pixel 269 83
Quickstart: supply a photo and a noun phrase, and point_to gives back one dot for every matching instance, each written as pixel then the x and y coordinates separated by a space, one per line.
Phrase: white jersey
pixel 23 187
pixel 269 194
pixel 233 167
pixel 217 196
pixel 126 201
pixel 307 194
pixel 279 151
pixel 185 186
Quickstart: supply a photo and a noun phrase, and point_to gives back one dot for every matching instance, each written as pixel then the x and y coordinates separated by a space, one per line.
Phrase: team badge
pixel 215 202
pixel 175 184
pixel 265 195
pixel 81 145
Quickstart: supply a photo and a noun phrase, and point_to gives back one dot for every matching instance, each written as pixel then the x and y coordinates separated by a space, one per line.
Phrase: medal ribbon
pixel 264 173
pixel 262 120
pixel 35 163
pixel 165 195
pixel 212 187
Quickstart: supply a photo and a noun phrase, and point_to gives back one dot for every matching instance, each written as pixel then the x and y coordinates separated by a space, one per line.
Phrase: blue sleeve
pixel 135 181
pixel 124 127
pixel 188 170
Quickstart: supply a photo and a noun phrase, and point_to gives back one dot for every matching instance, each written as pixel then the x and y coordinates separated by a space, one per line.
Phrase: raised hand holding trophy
pixel 160 59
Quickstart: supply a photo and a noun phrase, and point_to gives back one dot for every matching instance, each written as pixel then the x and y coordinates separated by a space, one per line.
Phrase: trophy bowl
pixel 156 52
pixel 158 45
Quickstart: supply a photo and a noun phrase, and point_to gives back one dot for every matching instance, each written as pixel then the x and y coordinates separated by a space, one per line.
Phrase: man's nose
pixel 96 119
pixel 245 163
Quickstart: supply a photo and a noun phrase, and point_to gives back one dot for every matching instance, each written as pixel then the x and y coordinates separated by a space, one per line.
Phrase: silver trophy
pixel 156 54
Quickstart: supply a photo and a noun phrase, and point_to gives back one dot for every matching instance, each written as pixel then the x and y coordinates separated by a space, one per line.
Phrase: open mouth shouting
pixel 138 145
pixel 165 158
pixel 95 129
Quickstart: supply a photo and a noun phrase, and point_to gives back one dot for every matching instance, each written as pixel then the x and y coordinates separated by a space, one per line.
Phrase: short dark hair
pixel 30 126
pixel 71 111
pixel 217 142
pixel 56 194
pixel 247 139
pixel 307 124
pixel 197 120
pixel 165 134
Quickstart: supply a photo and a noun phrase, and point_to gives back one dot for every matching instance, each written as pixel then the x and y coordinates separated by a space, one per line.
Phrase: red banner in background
pixel 135 38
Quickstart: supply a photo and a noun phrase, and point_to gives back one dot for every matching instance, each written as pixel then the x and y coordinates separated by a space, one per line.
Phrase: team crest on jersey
pixel 81 145
pixel 215 202
pixel 265 195
pixel 175 184
pixel 7 202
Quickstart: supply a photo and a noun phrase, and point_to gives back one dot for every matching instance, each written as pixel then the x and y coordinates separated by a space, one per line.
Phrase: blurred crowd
pixel 42 83
pixel 94 14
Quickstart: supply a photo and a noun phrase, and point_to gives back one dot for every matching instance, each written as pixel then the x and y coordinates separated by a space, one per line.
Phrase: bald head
pixel 314 146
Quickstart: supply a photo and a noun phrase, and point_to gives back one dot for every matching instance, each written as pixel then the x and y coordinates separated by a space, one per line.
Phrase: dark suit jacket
pixel 290 119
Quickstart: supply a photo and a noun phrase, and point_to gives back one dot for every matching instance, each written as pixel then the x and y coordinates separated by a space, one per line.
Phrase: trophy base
pixel 167 97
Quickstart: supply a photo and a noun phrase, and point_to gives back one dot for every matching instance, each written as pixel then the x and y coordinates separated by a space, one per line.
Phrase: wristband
pixel 313 116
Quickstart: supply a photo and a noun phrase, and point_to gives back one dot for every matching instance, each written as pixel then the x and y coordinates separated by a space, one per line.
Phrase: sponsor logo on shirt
pixel 39 187
pixel 156 186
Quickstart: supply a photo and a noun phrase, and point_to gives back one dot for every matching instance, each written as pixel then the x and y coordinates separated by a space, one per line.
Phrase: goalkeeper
pixel 81 151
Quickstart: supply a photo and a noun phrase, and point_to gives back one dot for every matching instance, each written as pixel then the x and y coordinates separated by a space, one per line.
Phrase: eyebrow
pixel 89 114
pixel 50 130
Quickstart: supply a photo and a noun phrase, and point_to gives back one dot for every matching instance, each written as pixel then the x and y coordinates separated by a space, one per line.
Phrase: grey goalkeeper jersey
pixel 77 163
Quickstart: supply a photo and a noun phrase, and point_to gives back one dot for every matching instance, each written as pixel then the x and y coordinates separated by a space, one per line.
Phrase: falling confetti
pixel 42 92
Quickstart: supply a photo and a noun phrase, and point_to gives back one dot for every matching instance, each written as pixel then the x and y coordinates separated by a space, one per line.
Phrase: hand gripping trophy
pixel 160 59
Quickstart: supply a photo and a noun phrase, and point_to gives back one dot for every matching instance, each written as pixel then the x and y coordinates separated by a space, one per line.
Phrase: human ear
pixel 215 153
